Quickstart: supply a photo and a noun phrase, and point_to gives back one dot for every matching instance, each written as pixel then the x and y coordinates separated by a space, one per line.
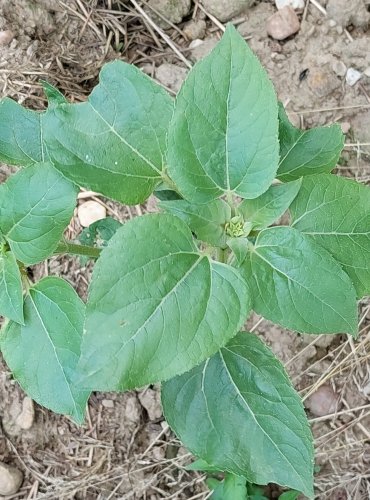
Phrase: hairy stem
pixel 72 248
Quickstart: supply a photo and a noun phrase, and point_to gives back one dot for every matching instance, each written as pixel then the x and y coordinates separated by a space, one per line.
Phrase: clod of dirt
pixel 321 81
pixel 295 4
pixel 90 212
pixel 173 10
pixel 171 75
pixel 27 416
pixel 225 10
pixel 339 68
pixel 353 76
pixel 108 403
pixel 10 479
pixel 202 49
pixel 283 24
pixel 346 13
pixel 6 37
pixel 132 409
pixel 195 29
pixel 151 401
pixel 323 402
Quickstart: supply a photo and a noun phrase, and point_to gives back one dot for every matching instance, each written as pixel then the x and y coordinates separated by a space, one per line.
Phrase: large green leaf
pixel 115 142
pixel 335 212
pixel 271 205
pixel 11 295
pixel 206 221
pixel 36 205
pixel 21 137
pixel 239 412
pixel 307 152
pixel 156 308
pixel 298 284
pixel 223 136
pixel 43 353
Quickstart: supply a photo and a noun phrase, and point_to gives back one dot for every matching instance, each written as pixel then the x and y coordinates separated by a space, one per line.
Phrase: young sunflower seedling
pixel 170 292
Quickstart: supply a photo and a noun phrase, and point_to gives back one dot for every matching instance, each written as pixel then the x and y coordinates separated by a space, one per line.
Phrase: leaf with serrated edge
pixel 43 353
pixel 223 136
pixel 115 142
pixel 21 140
pixel 157 308
pixel 271 205
pixel 11 296
pixel 307 152
pixel 296 283
pixel 239 412
pixel 335 212
pixel 36 205
pixel 206 221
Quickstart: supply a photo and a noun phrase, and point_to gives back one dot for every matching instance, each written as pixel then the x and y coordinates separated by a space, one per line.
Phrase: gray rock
pixel 202 49
pixel 27 416
pixel 339 68
pixel 225 10
pixel 346 12
pixel 195 29
pixel 352 76
pixel 171 76
pixel 295 4
pixel 10 479
pixel 173 10
pixel 283 24
pixel 151 401
pixel 323 402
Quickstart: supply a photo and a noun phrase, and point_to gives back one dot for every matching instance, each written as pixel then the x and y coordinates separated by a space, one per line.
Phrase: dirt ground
pixel 125 450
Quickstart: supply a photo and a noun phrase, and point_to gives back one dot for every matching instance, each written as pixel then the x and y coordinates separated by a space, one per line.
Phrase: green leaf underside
pixel 223 136
pixel 20 134
pixel 156 309
pixel 100 232
pixel 11 297
pixel 206 221
pixel 307 152
pixel 43 353
pixel 296 283
pixel 335 212
pixel 251 422
pixel 231 488
pixel 239 246
pixel 115 142
pixel 36 205
pixel 271 205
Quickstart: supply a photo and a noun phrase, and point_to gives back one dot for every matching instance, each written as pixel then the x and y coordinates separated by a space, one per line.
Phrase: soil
pixel 125 449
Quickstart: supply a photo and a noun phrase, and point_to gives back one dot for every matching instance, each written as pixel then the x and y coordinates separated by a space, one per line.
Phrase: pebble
pixel 339 68
pixel 195 29
pixel 107 403
pixel 173 10
pixel 6 37
pixel 200 50
pixel 90 212
pixel 346 127
pixel 367 72
pixel 295 4
pixel 151 401
pixel 10 479
pixel 323 402
pixel 283 24
pixel 27 416
pixel 352 76
pixel 171 76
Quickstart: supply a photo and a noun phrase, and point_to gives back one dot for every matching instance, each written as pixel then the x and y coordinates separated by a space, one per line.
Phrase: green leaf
pixel 289 495
pixel 223 136
pixel 297 284
pixel 307 152
pixel 206 221
pixel 115 142
pixel 238 411
pixel 20 134
pixel 240 247
pixel 271 205
pixel 157 308
pixel 54 96
pixel 43 353
pixel 335 212
pixel 201 465
pixel 11 295
pixel 99 233
pixel 36 205
pixel 231 488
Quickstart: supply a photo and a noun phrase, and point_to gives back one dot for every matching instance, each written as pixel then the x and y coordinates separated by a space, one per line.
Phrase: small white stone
pixel 10 479
pixel 332 23
pixel 339 68
pixel 352 76
pixel 90 212
pixel 27 416
pixel 6 37
pixel 367 72
pixel 295 4
pixel 346 127
pixel 195 43
pixel 107 403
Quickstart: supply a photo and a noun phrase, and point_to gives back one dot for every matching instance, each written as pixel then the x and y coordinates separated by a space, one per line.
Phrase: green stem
pixel 222 255
pixel 72 248
pixel 171 185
